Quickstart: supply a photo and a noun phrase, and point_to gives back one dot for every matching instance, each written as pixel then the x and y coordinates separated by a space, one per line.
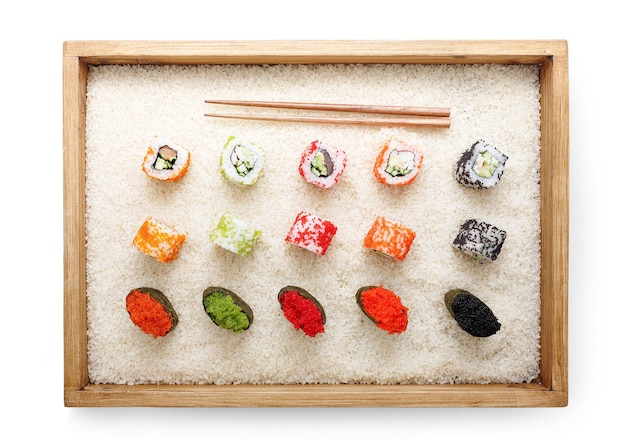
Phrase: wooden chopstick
pixel 435 122
pixel 437 117
pixel 360 108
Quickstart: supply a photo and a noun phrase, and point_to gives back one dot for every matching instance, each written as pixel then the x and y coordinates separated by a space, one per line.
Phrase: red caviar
pixel 148 314
pixel 386 309
pixel 302 313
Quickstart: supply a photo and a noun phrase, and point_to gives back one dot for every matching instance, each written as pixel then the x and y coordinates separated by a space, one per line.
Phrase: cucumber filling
pixel 322 164
pixel 485 165
pixel 166 157
pixel 400 163
pixel 243 159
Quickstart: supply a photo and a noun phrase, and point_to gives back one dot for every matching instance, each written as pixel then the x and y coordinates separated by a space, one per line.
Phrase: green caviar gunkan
pixel 227 310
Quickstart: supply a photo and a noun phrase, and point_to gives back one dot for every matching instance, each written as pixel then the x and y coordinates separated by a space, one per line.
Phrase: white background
pixel 32 213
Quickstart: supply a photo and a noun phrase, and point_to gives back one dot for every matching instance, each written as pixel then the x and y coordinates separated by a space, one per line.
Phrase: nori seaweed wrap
pixel 302 309
pixel 226 309
pixel 151 311
pixel 472 314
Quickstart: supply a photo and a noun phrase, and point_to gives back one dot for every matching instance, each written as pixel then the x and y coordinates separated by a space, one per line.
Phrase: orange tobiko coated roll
pixel 389 238
pixel 165 160
pixel 159 240
pixel 397 164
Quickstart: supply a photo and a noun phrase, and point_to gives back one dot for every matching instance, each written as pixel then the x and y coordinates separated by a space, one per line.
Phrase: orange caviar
pixel 385 308
pixel 148 314
pixel 391 239
pixel 158 240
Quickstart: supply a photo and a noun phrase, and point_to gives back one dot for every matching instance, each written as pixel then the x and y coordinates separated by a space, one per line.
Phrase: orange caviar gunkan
pixel 385 308
pixel 147 313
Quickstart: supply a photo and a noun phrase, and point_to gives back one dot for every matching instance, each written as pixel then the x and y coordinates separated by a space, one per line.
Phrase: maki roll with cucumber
pixel 151 311
pixel 322 164
pixel 226 309
pixel 397 163
pixel 389 238
pixel 480 240
pixel 472 314
pixel 241 162
pixel 384 308
pixel 302 310
pixel 235 235
pixel 481 166
pixel 165 160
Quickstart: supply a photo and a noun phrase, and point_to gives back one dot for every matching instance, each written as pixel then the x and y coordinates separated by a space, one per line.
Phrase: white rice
pixel 128 105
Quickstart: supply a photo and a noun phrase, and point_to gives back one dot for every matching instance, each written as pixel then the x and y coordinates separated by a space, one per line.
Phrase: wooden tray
pixel 549 389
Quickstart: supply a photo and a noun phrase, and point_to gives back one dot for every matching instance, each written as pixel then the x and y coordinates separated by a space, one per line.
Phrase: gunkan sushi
pixel 241 162
pixel 384 308
pixel 322 164
pixel 226 309
pixel 472 314
pixel 151 311
pixel 302 309
pixel 397 163
pixel 311 233
pixel 479 240
pixel 234 235
pixel 389 238
pixel 481 166
pixel 159 240
pixel 165 160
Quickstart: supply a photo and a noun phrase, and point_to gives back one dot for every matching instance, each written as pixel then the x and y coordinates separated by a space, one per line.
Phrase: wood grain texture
pixel 550 389
pixel 554 221
pixel 75 299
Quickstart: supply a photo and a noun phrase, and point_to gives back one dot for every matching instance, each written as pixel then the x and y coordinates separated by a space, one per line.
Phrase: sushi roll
pixel 226 309
pixel 165 160
pixel 241 162
pixel 234 235
pixel 384 308
pixel 151 311
pixel 479 240
pixel 397 164
pixel 302 309
pixel 472 314
pixel 311 233
pixel 159 240
pixel 322 164
pixel 481 166
pixel 389 238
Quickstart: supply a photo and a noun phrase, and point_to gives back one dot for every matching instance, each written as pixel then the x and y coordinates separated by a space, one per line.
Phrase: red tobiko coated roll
pixel 322 164
pixel 311 232
pixel 302 310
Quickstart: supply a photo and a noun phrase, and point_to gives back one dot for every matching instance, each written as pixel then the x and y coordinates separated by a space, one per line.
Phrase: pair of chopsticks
pixel 436 117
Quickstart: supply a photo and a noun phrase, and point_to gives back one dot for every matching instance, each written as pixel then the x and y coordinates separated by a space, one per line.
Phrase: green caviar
pixel 322 164
pixel 485 165
pixel 225 311
pixel 400 163
pixel 243 159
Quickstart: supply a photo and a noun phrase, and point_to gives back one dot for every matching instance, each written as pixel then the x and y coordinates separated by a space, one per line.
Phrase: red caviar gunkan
pixel 302 310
